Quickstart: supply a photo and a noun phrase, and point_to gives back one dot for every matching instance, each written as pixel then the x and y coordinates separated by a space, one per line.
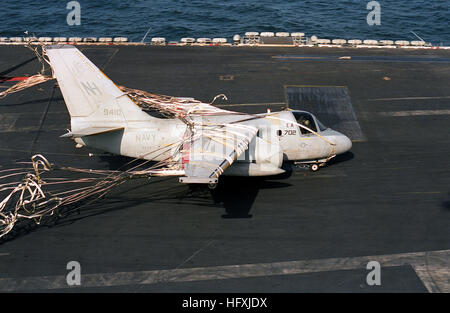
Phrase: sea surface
pixel 224 18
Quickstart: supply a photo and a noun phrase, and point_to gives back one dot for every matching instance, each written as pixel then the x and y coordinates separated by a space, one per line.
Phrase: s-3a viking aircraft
pixel 196 141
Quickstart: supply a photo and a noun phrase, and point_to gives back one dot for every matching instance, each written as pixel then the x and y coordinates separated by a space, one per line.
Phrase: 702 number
pixel 290 132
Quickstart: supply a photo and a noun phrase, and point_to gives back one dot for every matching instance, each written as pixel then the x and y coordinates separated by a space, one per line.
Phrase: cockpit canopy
pixel 308 120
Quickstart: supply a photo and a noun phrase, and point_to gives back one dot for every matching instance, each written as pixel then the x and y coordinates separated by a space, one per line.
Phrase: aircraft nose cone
pixel 343 144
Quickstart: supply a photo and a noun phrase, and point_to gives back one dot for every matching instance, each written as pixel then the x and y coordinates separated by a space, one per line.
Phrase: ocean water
pixel 224 18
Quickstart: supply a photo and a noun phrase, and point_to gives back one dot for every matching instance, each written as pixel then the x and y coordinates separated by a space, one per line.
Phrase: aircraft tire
pixel 314 167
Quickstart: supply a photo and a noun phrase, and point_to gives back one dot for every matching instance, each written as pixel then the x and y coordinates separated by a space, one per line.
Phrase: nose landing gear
pixel 314 167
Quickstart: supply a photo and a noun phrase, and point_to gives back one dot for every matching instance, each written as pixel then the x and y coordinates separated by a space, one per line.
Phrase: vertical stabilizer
pixel 90 96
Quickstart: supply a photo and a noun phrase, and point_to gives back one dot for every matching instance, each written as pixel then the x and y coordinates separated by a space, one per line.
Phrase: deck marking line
pixel 409 98
pixel 432 267
pixel 416 113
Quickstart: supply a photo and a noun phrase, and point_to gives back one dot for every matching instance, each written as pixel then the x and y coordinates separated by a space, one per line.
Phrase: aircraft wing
pixel 209 152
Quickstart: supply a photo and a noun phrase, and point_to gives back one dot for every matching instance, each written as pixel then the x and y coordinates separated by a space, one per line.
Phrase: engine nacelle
pixel 263 158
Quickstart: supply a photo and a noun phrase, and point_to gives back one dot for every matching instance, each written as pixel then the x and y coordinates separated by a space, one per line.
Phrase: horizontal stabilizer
pixel 91 131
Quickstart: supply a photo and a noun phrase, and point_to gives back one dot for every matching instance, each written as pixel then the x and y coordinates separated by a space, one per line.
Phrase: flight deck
pixel 387 200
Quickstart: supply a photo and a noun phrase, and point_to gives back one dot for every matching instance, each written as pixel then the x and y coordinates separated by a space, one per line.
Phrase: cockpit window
pixel 321 126
pixel 307 120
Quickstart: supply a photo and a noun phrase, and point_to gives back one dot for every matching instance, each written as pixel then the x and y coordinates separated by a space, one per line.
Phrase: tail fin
pixel 91 97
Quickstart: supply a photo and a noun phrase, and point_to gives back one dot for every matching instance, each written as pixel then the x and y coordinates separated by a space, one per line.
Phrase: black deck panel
pixel 388 195
pixel 330 104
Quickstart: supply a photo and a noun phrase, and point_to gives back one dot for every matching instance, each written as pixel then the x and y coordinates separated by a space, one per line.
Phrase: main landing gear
pixel 212 186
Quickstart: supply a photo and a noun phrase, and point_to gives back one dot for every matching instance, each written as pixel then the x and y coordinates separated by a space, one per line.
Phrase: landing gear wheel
pixel 314 167
pixel 212 186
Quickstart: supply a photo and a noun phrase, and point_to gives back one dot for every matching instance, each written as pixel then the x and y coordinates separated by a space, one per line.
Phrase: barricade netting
pixel 36 189
pixel 27 83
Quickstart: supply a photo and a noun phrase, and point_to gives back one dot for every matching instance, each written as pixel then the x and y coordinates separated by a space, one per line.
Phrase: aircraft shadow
pixel 235 194
pixel 238 194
